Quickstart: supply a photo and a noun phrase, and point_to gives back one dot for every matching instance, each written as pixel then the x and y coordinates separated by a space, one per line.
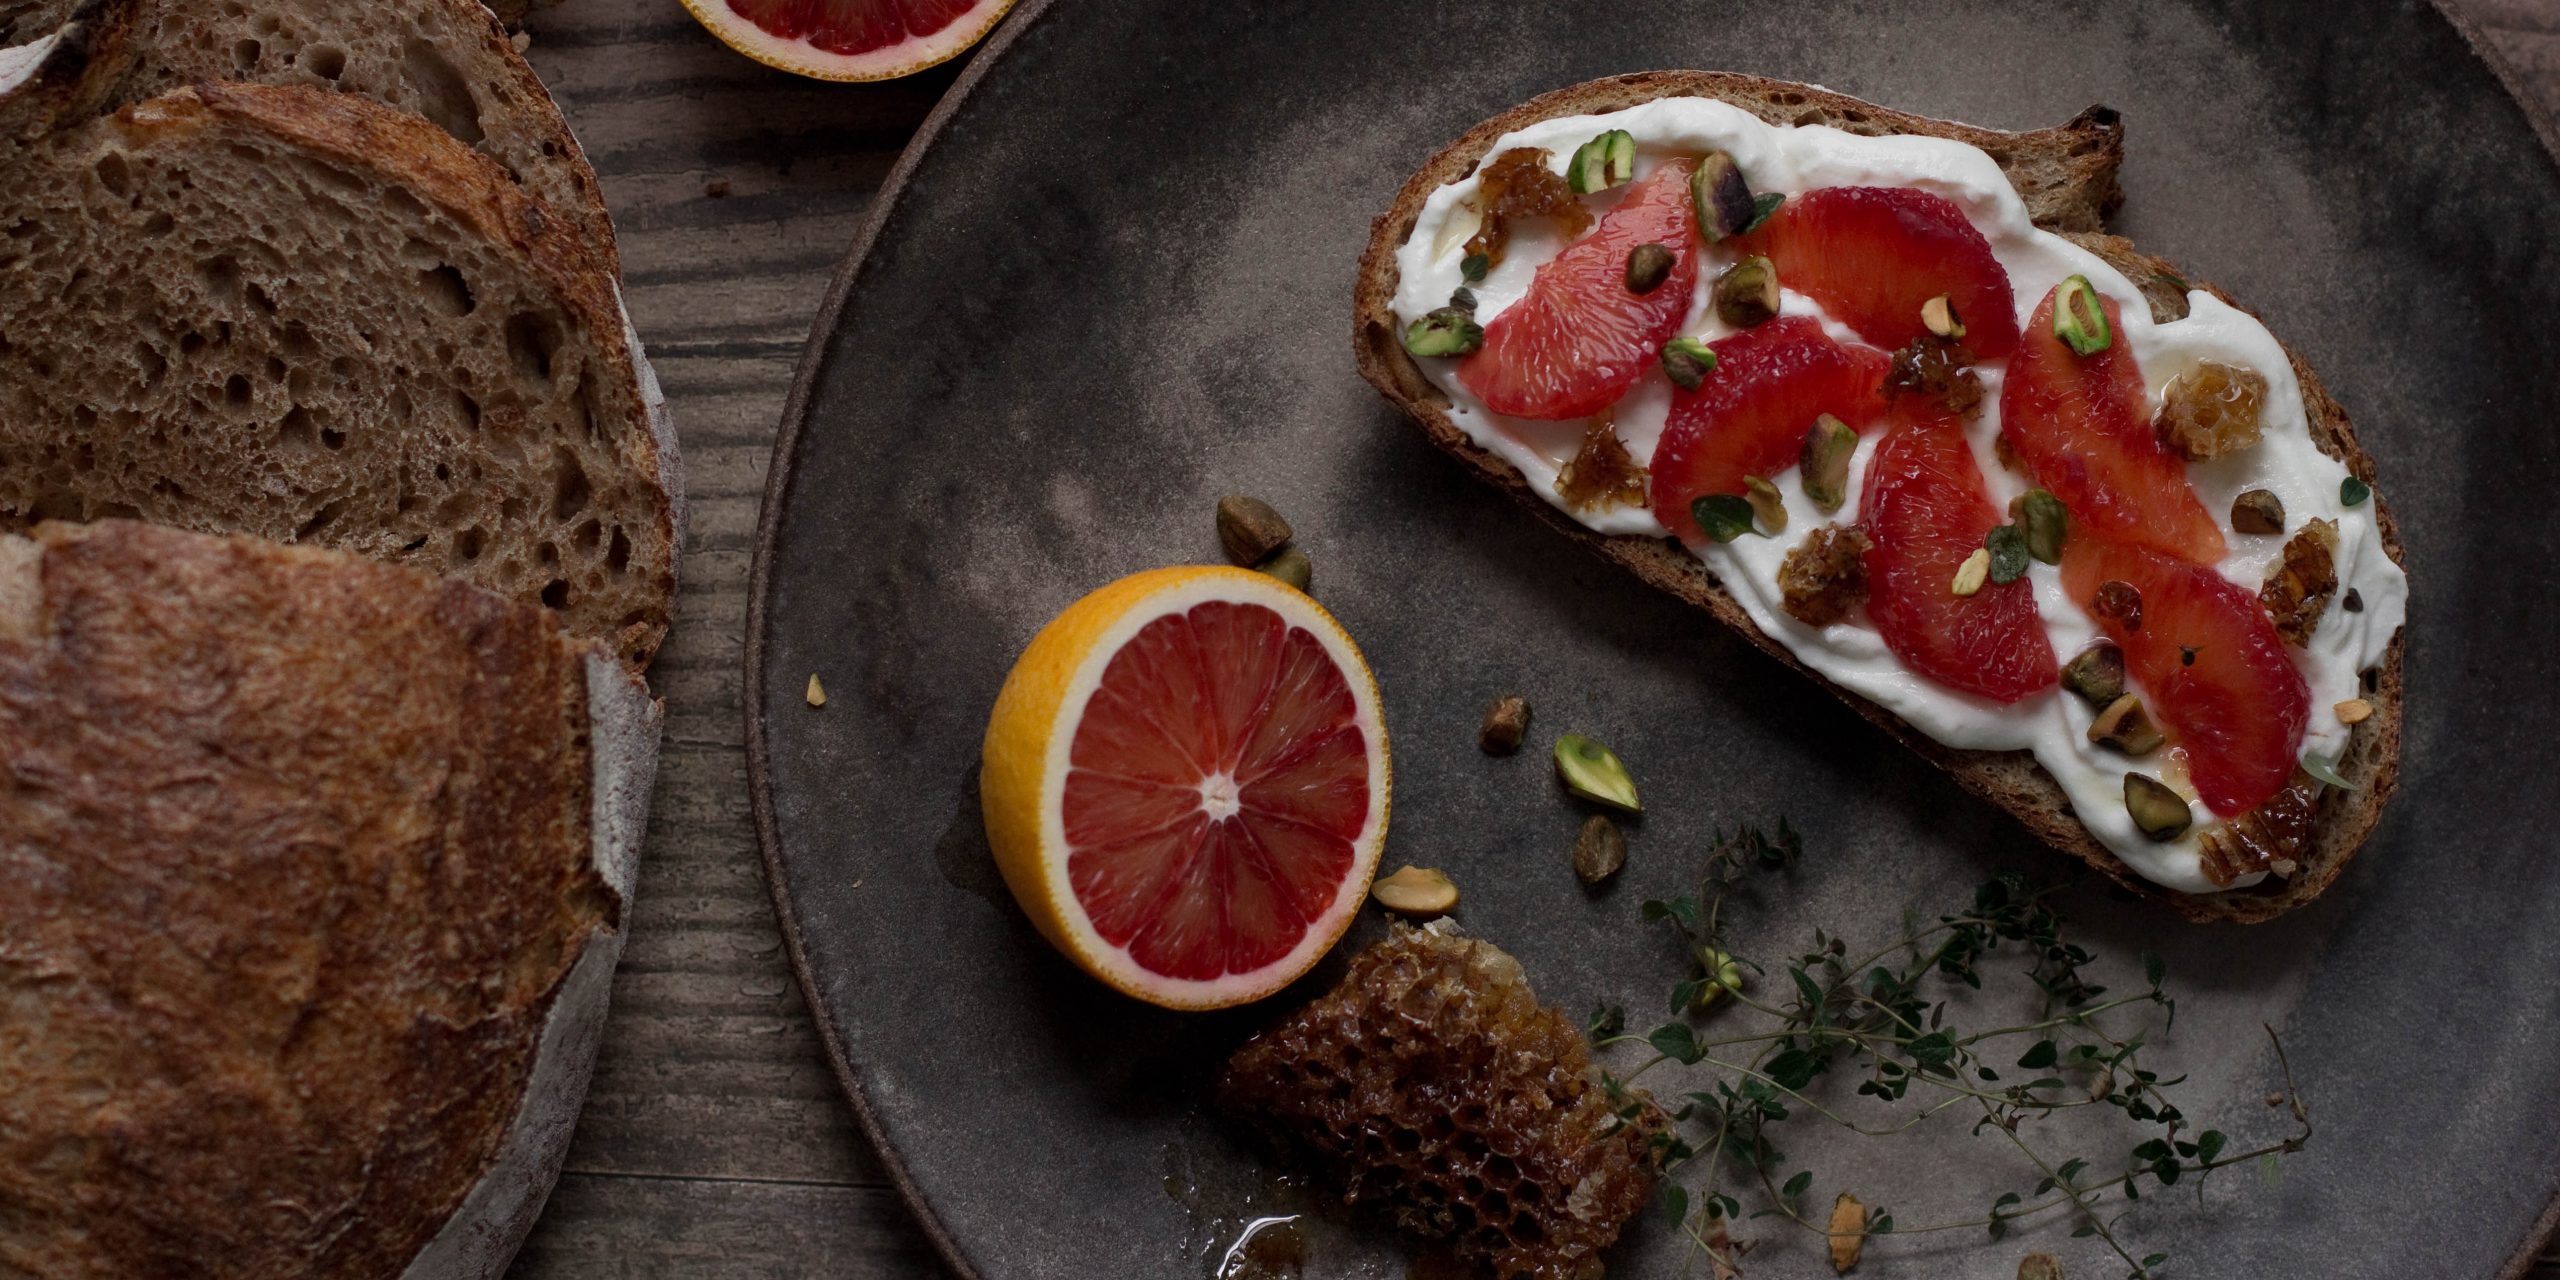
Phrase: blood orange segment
pixel 1749 417
pixel 1926 512
pixel 2080 427
pixel 1872 256
pixel 2209 664
pixel 1578 338
pixel 849 39
pixel 1185 784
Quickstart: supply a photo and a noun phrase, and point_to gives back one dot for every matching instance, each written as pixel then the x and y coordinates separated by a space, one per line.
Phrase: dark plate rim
pixel 786 451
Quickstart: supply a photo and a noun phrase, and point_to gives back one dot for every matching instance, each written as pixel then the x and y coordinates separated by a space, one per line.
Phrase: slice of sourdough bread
pixel 310 317
pixel 445 60
pixel 2067 177
pixel 312 874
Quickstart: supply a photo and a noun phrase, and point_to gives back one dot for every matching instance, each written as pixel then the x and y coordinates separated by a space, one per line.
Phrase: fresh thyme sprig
pixel 1885 1018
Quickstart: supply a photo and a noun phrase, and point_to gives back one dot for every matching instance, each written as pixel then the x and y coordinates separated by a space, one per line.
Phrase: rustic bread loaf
pixel 311 877
pixel 446 60
pixel 307 316
pixel 2067 177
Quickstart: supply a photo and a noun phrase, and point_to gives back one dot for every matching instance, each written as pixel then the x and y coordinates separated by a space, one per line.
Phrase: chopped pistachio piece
pixel 2161 813
pixel 1762 205
pixel 2257 511
pixel 2044 522
pixel 1416 891
pixel 1848 1232
pixel 817 692
pixel 1291 566
pixel 1747 293
pixel 1687 362
pixel 1594 773
pixel 2078 319
pixel 1767 504
pixel 1723 517
pixel 1970 575
pixel 1723 199
pixel 1648 265
pixel 2354 711
pixel 1449 331
pixel 1604 162
pixel 1825 462
pixel 2008 549
pixel 1939 316
pixel 2097 675
pixel 2326 772
pixel 2126 727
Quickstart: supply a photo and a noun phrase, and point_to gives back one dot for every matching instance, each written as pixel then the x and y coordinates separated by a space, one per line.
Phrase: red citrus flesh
pixel 851 26
pixel 2080 427
pixel 1926 512
pixel 2239 707
pixel 1750 415
pixel 1219 779
pixel 1578 338
pixel 1873 255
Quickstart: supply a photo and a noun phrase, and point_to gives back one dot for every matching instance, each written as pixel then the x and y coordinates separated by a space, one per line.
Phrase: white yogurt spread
pixel 2054 724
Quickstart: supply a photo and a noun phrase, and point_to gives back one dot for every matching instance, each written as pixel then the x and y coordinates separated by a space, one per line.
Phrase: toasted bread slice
pixel 446 60
pixel 309 317
pixel 2067 177
pixel 312 872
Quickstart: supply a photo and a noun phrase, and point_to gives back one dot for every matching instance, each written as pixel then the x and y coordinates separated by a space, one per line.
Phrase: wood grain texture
pixel 715 1144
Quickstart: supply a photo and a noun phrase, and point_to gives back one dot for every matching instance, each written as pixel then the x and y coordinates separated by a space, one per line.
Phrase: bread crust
pixel 2066 175
pixel 302 855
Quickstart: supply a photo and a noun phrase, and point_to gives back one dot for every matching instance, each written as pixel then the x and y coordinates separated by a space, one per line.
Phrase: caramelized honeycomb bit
pixel 1939 373
pixel 2271 837
pixel 2298 591
pixel 1518 184
pixel 1825 576
pixel 2211 411
pixel 1431 1086
pixel 1602 473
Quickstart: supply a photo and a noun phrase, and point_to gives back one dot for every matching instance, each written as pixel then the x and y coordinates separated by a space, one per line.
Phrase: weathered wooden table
pixel 715 1144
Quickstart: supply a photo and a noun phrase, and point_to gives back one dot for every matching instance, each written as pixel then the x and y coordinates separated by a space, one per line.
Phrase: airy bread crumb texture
pixel 435 395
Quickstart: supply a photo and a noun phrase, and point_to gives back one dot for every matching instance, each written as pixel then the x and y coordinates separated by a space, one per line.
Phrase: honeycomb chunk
pixel 1825 576
pixel 1432 1087
pixel 2272 837
pixel 2211 411
pixel 1518 184
pixel 1602 473
pixel 2298 591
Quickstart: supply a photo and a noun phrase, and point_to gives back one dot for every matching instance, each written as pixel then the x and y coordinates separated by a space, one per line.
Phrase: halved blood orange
pixel 849 39
pixel 1185 783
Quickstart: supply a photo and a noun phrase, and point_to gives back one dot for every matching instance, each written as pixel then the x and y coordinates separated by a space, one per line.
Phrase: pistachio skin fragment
pixel 2257 511
pixel 2161 813
pixel 1506 722
pixel 1595 773
pixel 1449 331
pixel 1291 566
pixel 1600 850
pixel 1249 529
pixel 1724 203
pixel 1416 891
pixel 2097 675
pixel 1723 517
pixel 2125 726
pixel 1824 460
pixel 1687 362
pixel 1747 293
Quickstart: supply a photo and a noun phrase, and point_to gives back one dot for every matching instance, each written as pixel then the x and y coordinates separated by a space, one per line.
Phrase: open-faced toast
pixel 2066 177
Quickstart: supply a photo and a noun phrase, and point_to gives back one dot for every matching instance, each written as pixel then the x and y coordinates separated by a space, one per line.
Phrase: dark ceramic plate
pixel 1111 280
